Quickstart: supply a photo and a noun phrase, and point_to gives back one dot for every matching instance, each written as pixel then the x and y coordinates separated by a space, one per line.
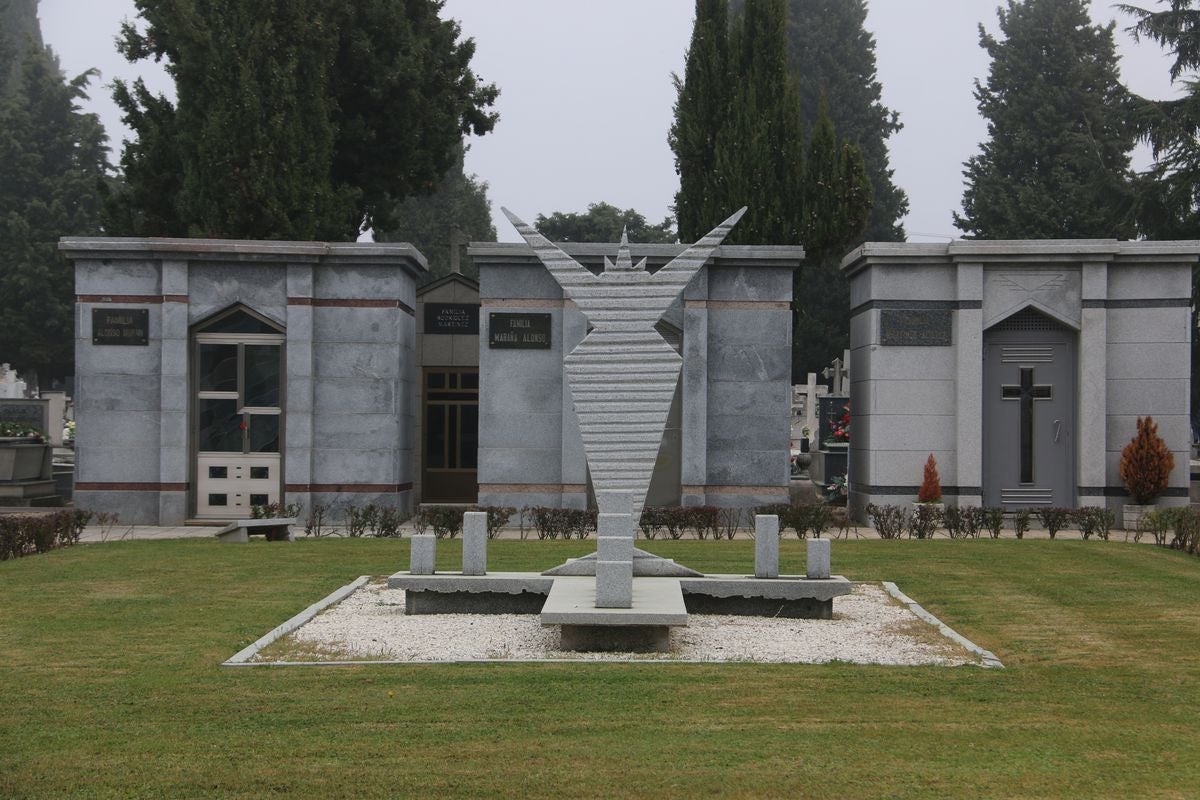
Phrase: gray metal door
pixel 1029 413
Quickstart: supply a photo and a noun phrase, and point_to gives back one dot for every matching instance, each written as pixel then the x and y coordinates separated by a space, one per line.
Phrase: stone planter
pixel 21 460
pixel 1131 513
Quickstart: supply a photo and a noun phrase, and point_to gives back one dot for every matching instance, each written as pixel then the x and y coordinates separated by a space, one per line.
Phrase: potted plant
pixel 930 492
pixel 24 456
pixel 1146 464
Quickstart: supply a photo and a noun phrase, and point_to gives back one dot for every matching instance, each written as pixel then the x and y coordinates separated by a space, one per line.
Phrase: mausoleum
pixel 727 433
pixel 212 375
pixel 1022 366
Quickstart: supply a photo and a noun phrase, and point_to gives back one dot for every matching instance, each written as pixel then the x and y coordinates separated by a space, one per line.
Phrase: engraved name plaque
pixel 451 319
pixel 905 327
pixel 121 326
pixel 519 331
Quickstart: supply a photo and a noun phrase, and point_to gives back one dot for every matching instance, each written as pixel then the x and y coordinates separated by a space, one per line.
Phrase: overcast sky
pixel 586 94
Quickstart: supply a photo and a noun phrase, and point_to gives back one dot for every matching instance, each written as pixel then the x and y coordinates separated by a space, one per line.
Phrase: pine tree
pixel 457 212
pixel 1056 162
pixel 52 165
pixel 19 31
pixel 311 119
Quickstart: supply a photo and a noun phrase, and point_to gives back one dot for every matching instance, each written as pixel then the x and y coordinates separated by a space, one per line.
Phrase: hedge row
pixel 24 534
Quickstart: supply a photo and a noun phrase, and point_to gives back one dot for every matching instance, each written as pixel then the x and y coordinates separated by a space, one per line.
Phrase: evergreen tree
pixel 52 165
pixel 811 190
pixel 294 119
pixel 603 222
pixel 457 212
pixel 19 31
pixel 833 58
pixel 1169 193
pixel 1056 162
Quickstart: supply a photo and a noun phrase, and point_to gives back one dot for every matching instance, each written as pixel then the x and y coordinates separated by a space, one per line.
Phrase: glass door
pixel 450 449
pixel 238 416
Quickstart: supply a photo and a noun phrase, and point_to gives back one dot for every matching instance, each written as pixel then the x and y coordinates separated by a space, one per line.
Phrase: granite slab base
pixel 643 627
pixel 788 596
pixel 455 593
pixel 645 565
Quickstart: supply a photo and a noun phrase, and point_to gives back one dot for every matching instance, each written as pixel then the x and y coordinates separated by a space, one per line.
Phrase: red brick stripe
pixel 146 299
pixel 539 488
pixel 350 488
pixel 81 486
pixel 346 302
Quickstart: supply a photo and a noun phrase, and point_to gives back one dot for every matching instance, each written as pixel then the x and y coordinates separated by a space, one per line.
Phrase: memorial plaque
pixel 451 318
pixel 906 327
pixel 519 331
pixel 35 413
pixel 121 326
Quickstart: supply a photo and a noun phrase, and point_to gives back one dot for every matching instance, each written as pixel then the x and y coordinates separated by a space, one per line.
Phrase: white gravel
pixel 868 628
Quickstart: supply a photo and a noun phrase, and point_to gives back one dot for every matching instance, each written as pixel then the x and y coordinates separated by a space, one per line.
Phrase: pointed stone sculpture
pixel 622 376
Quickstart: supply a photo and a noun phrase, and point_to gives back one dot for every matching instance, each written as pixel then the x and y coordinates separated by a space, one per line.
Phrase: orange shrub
pixel 1146 463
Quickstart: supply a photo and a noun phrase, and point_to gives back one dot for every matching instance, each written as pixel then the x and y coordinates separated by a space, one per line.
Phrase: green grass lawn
pixel 111 687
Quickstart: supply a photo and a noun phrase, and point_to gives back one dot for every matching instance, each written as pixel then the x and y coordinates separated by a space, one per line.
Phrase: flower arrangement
pixel 839 427
pixel 931 485
pixel 19 430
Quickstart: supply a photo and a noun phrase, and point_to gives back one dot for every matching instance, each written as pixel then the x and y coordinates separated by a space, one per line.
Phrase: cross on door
pixel 1026 392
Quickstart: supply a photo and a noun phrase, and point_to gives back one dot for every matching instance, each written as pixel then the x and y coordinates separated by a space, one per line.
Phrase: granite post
pixel 422 549
pixel 818 559
pixel 474 554
pixel 614 551
pixel 766 546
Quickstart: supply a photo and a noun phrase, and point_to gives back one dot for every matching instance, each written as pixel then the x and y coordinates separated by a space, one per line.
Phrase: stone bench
pixel 239 531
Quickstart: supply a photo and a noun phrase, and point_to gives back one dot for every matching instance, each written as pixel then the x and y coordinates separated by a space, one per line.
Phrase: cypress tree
pixel 1056 162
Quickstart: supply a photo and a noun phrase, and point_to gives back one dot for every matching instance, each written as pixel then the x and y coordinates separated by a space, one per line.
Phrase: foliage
pixel 52 169
pixel 497 518
pixel 993 521
pixel 890 521
pixel 20 430
pixel 24 534
pixel 806 518
pixel 702 521
pixel 359 520
pixel 1093 521
pixel 388 520
pixel 277 511
pixel 553 523
pixel 1056 162
pixel 603 222
pixel 1186 524
pixel 729 520
pixel 931 485
pixel 456 212
pixel 924 522
pixel 836 491
pixel 1020 519
pixel 446 521
pixel 739 139
pixel 309 121
pixel 1146 463
pixel 1158 523
pixel 963 522
pixel 1055 519
pixel 314 524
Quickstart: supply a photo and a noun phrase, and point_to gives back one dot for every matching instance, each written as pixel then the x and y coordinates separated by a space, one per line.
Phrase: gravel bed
pixel 868 628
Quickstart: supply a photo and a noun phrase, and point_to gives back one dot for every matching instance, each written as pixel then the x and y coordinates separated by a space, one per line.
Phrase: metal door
pixel 449 469
pixel 1029 379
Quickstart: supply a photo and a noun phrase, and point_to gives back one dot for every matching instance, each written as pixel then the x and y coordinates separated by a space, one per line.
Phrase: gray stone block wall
pixel 349 358
pixel 1128 301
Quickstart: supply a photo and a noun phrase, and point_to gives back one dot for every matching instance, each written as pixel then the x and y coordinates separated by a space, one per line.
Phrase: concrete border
pixel 989 658
pixel 241 658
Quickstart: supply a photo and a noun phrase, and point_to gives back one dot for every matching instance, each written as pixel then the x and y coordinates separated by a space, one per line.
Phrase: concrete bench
pixel 239 531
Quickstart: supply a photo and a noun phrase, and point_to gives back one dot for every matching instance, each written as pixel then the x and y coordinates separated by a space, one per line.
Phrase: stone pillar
pixel 968 387
pixel 1091 430
pixel 693 447
pixel 766 546
pixel 474 553
pixel 298 411
pixel 818 559
pixel 422 550
pixel 614 550
pixel 173 451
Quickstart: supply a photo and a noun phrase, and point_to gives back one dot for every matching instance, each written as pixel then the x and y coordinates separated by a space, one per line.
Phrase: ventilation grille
pixel 1028 320
pixel 1027 354
pixel 1026 497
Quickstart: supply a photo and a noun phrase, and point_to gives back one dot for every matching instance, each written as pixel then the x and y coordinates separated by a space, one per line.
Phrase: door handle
pixel 1057 429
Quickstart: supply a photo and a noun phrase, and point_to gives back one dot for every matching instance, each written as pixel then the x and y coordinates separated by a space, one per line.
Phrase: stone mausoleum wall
pixel 727 439
pixel 1123 306
pixel 348 394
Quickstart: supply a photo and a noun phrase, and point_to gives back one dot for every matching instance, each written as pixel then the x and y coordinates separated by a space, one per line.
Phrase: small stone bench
pixel 278 529
pixel 657 607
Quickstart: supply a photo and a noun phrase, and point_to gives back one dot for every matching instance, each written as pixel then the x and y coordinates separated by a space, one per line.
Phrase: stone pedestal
pixel 818 559
pixel 474 553
pixel 766 546
pixel 422 550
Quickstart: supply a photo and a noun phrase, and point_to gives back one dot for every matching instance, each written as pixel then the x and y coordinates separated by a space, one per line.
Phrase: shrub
pixel 814 518
pixel 728 521
pixel 924 521
pixel 1021 522
pixel 701 521
pixel 1054 519
pixel 578 522
pixel 446 521
pixel 992 519
pixel 962 522
pixel 26 534
pixel 497 516
pixel 1187 530
pixel 890 521
pixel 314 525
pixel 1094 521
pixel 674 520
pixel 276 511
pixel 388 521
pixel 651 521
pixel 931 484
pixel 360 520
pixel 1146 463
pixel 1158 523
